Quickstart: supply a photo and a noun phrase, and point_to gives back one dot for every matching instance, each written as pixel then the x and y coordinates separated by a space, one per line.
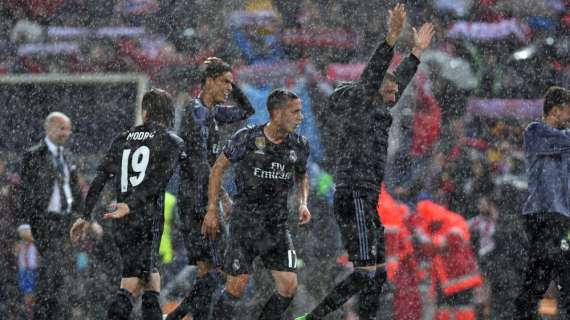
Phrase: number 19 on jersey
pixel 137 164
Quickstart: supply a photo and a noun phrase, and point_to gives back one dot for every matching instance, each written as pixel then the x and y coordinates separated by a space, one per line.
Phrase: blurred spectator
pixel 27 255
pixel 483 227
pixel 256 33
pixel 10 303
pixel 26 31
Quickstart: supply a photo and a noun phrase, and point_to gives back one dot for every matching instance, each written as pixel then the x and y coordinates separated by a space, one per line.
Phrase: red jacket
pixel 397 237
pixel 454 263
pixel 401 264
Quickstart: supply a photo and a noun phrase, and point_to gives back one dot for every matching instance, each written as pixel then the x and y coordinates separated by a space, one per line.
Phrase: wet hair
pixel 213 68
pixel 279 98
pixel 555 97
pixel 54 115
pixel 159 107
pixel 389 76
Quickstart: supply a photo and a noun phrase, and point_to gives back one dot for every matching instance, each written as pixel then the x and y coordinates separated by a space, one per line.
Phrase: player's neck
pixel 274 134
pixel 207 99
pixel 553 122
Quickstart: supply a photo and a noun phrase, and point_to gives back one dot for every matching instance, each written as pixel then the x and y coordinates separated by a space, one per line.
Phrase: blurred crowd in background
pixel 457 134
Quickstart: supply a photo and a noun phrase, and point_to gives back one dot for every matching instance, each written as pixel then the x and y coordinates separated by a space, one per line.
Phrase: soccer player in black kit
pixel 140 162
pixel 269 160
pixel 200 127
pixel 362 108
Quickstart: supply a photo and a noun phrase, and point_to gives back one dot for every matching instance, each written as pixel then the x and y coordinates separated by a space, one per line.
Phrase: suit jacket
pixel 38 178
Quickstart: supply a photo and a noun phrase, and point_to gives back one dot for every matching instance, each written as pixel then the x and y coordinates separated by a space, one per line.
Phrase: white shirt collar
pixel 52 146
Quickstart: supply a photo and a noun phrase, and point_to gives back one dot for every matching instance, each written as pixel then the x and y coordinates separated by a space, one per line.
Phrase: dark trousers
pixel 549 259
pixel 51 236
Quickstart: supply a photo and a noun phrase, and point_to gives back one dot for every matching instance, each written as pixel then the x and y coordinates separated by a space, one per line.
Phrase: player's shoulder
pixel 247 131
pixel 535 125
pixel 344 89
pixel 121 137
pixel 299 140
pixel 173 137
pixel 197 109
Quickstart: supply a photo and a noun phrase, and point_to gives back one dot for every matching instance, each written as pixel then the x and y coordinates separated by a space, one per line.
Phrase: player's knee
pixel 236 285
pixel 287 287
pixel 153 283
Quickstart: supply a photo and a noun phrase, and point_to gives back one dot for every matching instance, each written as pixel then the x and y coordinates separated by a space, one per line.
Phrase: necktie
pixel 60 163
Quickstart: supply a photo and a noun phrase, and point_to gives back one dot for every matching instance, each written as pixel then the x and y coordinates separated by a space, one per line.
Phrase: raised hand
pixel 396 21
pixel 422 38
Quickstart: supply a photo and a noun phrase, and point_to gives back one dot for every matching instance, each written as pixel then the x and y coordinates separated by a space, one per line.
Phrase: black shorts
pixel 360 226
pixel 138 241
pixel 247 241
pixel 198 247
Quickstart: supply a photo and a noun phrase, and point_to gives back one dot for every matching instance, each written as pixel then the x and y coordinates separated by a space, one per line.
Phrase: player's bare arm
pixel 211 224
pixel 302 198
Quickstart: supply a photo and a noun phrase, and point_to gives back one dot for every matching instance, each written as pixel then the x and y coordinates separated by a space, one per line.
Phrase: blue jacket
pixel 547 155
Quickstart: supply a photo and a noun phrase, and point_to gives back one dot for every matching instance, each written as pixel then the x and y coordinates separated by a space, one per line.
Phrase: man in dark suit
pixel 49 199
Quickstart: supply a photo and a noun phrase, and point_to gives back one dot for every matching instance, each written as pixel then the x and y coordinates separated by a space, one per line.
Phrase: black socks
pixel 151 306
pixel 121 307
pixel 275 307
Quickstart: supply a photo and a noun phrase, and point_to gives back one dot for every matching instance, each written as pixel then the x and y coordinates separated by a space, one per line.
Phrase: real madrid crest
pixel 292 156
pixel 260 143
pixel 236 265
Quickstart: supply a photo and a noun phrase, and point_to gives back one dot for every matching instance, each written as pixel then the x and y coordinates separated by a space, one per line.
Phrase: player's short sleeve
pixel 180 146
pixel 110 164
pixel 302 163
pixel 237 146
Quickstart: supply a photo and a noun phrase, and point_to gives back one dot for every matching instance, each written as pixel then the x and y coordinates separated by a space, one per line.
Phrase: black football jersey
pixel 201 132
pixel 265 172
pixel 140 162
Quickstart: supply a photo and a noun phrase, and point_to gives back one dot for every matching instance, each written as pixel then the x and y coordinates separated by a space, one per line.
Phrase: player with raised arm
pixel 362 108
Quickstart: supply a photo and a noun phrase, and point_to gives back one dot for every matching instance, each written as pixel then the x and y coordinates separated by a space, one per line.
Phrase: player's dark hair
pixel 555 97
pixel 213 68
pixel 279 98
pixel 389 76
pixel 159 107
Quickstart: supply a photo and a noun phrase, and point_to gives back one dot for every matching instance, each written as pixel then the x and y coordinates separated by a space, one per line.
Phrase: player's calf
pixel 349 286
pixel 121 307
pixel 151 306
pixel 232 293
pixel 275 307
pixel 197 303
pixel 369 296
